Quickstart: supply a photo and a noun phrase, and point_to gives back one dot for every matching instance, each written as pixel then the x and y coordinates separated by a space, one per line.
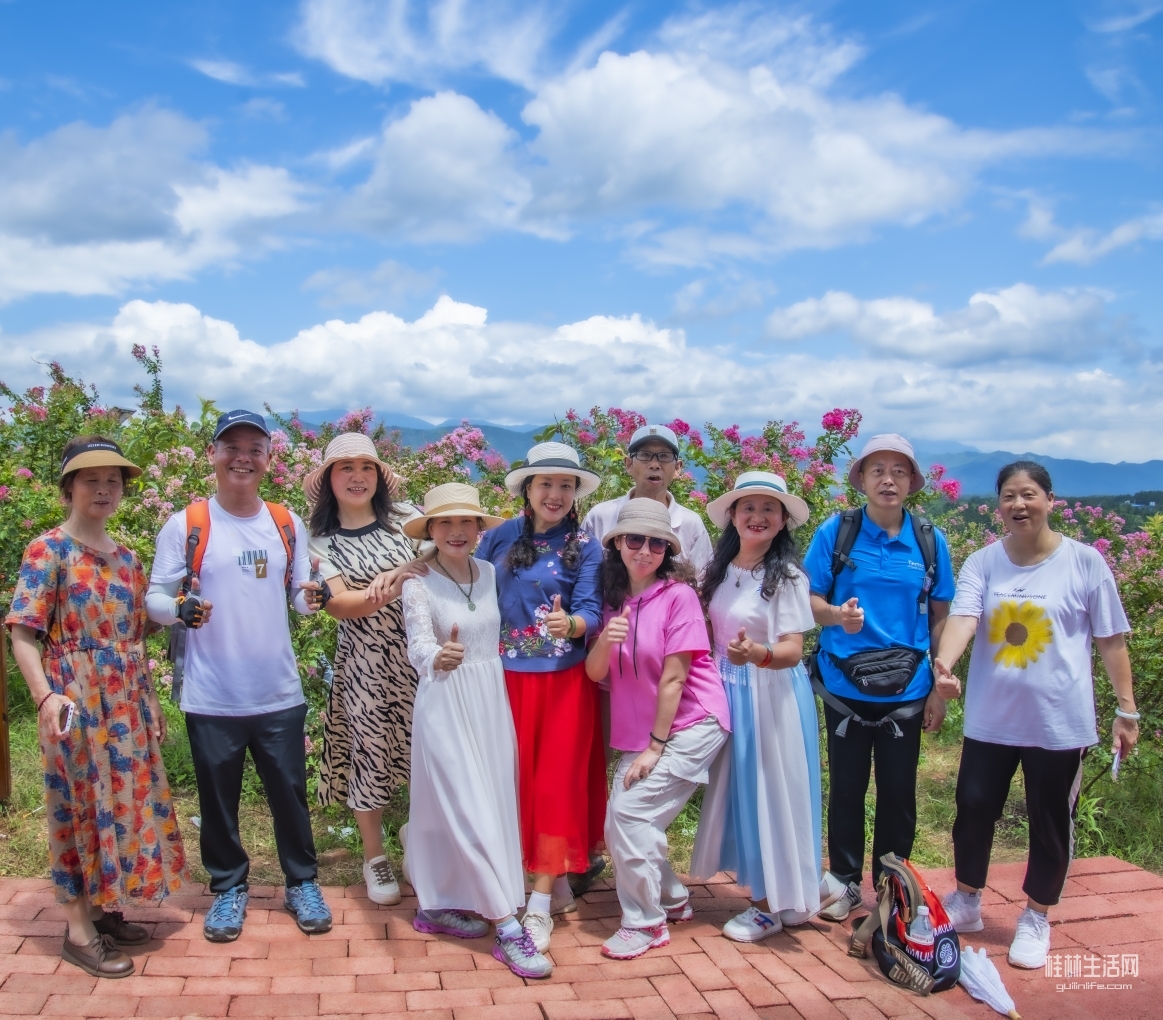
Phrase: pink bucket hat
pixel 889 441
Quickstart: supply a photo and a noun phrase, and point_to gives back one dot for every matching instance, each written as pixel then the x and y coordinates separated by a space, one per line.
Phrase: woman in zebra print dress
pixel 365 557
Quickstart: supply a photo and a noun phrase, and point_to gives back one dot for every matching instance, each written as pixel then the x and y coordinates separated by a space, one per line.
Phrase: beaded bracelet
pixel 43 700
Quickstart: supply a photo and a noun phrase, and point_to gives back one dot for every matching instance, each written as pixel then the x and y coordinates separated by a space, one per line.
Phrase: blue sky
pixel 948 215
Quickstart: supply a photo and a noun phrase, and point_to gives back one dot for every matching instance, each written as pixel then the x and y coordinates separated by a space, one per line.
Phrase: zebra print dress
pixel 367 732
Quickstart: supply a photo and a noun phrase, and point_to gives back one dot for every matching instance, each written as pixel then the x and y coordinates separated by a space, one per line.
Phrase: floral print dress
pixel 113 834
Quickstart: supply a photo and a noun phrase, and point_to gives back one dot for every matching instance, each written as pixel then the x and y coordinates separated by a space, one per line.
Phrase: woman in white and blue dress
pixel 462 842
pixel 761 815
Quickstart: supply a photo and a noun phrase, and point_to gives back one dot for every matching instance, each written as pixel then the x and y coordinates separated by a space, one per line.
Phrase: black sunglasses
pixel 636 542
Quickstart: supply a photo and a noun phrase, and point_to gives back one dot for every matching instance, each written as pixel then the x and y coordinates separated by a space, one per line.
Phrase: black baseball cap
pixel 228 420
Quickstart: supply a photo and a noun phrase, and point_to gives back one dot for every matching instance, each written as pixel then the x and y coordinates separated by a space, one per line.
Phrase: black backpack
pixel 923 529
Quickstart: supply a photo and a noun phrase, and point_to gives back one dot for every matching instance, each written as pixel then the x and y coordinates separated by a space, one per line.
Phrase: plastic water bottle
pixel 921 928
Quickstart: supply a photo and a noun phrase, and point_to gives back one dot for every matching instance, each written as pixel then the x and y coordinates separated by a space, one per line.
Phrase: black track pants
pixel 1052 779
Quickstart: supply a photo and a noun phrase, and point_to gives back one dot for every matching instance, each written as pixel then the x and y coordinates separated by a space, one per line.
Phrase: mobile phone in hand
pixel 1115 762
pixel 66 717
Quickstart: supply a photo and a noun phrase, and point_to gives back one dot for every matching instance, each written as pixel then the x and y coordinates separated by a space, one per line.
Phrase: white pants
pixel 637 819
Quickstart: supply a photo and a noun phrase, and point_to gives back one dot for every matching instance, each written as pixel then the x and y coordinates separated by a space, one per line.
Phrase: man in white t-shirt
pixel 241 687
pixel 652 461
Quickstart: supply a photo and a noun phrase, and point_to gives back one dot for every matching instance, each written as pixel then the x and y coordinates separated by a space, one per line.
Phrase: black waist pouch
pixel 881 672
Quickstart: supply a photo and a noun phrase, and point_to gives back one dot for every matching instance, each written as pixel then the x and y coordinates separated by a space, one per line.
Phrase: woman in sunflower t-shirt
pixel 1035 603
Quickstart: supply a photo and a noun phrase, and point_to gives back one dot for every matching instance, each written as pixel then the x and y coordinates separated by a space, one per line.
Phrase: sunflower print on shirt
pixel 1022 630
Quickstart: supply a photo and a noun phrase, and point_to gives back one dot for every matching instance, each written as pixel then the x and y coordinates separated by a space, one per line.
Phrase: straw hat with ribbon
pixel 347 446
pixel 453 499
pixel 644 517
pixel 552 459
pixel 758 483
pixel 97 453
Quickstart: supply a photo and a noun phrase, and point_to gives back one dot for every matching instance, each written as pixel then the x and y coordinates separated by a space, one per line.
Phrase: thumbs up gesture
pixel 193 610
pixel 318 591
pixel 851 616
pixel 618 629
pixel 741 649
pixel 557 622
pixel 451 653
pixel 948 686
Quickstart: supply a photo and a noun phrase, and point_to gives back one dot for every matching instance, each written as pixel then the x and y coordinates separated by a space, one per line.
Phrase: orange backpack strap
pixel 286 525
pixel 197 535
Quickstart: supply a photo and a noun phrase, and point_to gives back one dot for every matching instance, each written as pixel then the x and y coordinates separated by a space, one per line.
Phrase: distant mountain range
pixel 974 469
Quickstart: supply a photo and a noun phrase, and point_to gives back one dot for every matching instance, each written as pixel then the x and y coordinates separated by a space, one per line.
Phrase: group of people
pixel 496 666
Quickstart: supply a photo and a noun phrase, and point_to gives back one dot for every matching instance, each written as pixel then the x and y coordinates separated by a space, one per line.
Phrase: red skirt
pixel 561 767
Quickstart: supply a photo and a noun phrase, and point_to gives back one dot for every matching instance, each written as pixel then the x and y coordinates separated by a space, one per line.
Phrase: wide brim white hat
pixel 553 459
pixel 452 499
pixel 758 483
pixel 348 446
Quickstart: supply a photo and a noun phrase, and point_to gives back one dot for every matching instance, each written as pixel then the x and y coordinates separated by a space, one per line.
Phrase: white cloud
pixel 1138 14
pixel 387 281
pixel 230 73
pixel 89 210
pixel 452 361
pixel 383 41
pixel 1084 246
pixel 1018 323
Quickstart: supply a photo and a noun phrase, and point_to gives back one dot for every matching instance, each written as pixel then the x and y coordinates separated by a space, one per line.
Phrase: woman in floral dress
pixel 113 834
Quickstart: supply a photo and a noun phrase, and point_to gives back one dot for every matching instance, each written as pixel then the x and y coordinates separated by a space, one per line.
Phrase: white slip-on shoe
pixel 790 918
pixel 753 925
pixel 964 911
pixel 842 907
pixel 831 889
pixel 540 927
pixel 380 880
pixel 1031 941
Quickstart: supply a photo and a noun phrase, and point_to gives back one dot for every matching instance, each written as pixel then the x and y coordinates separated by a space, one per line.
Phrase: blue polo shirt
pixel 887 581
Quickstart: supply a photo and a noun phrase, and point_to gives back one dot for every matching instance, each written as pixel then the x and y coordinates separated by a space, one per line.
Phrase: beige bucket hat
pixel 889 441
pixel 453 499
pixel 348 446
pixel 553 459
pixel 758 483
pixel 644 517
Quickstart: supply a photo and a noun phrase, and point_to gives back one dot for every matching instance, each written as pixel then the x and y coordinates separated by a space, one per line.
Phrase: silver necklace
pixel 467 594
pixel 739 576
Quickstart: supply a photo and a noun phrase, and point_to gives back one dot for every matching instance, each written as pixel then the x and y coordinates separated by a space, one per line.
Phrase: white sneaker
pixel 563 906
pixel 404 858
pixel 683 912
pixel 844 905
pixel 753 925
pixel 964 910
pixel 790 918
pixel 628 943
pixel 831 889
pixel 381 883
pixel 540 927
pixel 1031 942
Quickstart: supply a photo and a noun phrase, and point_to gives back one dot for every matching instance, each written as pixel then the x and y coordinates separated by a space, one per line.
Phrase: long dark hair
pixel 325 513
pixel 779 562
pixel 523 553
pixel 616 578
pixel 1038 475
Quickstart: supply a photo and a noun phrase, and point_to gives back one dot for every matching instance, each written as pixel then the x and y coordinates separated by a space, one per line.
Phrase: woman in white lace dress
pixel 463 841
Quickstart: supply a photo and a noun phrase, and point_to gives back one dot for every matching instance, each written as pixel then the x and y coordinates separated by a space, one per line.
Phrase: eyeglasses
pixel 645 457
pixel 636 542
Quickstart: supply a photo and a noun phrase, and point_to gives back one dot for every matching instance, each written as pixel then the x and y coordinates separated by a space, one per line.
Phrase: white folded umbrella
pixel 983 982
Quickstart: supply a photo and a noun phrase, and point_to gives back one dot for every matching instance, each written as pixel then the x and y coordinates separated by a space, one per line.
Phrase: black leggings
pixel 1052 779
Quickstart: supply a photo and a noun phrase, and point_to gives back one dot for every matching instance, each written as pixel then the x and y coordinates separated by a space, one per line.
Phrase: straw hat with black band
pixel 348 446
pixel 97 453
pixel 453 499
pixel 759 483
pixel 552 459
pixel 644 517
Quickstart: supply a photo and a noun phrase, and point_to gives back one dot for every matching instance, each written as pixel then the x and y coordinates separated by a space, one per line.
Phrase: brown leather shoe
pixel 101 957
pixel 113 924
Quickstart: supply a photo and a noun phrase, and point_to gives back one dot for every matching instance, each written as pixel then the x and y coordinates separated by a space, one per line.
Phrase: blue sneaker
pixel 224 919
pixel 310 909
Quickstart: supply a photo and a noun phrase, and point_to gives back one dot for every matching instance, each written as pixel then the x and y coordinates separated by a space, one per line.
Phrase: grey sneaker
pixel 306 902
pixel 224 919
pixel 521 957
pixel 628 943
pixel 840 910
pixel 450 922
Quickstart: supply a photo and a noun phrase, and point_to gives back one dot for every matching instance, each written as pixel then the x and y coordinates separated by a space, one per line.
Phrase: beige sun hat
pixel 758 483
pixel 888 441
pixel 452 499
pixel 347 446
pixel 645 517
pixel 553 459
pixel 97 453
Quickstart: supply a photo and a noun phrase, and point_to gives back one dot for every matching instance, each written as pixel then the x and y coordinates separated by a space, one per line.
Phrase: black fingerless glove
pixel 191 611
pixel 318 597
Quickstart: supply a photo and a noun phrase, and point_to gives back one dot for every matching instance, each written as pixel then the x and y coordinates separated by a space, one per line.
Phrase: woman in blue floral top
pixel 549 592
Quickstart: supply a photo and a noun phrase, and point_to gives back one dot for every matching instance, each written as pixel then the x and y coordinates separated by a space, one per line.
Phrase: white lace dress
pixel 464 840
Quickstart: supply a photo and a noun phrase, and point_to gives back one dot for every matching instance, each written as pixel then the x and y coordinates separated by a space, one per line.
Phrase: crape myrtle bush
pixel 171 445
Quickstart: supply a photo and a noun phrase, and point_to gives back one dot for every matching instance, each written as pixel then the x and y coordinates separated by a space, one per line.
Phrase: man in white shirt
pixel 652 462
pixel 241 687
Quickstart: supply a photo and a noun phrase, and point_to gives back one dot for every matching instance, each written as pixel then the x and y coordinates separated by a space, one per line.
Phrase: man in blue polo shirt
pixel 872 671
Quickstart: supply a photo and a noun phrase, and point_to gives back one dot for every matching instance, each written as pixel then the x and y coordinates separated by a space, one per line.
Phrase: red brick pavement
pixel 372 964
